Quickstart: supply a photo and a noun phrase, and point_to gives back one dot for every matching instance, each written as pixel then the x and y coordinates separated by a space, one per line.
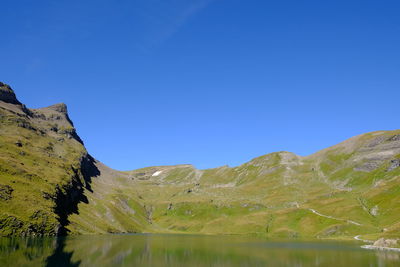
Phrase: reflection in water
pixel 186 250
pixel 60 257
pixel 23 252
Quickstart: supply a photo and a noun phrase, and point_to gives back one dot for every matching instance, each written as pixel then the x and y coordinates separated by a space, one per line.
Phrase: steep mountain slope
pixel 350 189
pixel 41 173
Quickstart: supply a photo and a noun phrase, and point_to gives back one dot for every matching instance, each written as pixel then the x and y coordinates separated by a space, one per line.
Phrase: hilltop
pixel 50 185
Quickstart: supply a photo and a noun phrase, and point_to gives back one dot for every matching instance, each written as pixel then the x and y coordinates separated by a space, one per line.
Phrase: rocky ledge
pixel 7 94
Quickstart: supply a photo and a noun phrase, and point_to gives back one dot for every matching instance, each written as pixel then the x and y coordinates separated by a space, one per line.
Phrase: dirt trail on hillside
pixel 334 218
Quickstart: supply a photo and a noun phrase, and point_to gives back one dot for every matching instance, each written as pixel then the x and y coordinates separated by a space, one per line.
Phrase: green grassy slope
pixel 352 188
pixel 40 168
pixel 50 185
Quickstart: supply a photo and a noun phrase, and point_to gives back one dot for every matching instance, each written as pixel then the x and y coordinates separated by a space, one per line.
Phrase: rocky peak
pixel 61 107
pixel 7 94
pixel 56 112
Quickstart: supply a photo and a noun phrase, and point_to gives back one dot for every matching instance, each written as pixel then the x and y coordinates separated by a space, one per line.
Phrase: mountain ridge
pixel 346 190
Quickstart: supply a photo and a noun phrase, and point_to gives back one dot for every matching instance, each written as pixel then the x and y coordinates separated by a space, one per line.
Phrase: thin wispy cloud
pixel 166 18
pixel 187 12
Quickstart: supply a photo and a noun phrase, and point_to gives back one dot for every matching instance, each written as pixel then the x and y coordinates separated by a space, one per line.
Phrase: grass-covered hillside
pixel 350 189
pixel 41 178
pixel 346 190
pixel 49 184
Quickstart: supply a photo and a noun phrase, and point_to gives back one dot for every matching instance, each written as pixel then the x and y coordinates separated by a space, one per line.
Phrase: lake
pixel 187 250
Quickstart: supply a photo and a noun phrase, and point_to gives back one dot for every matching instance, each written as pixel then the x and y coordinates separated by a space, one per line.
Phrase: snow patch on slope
pixel 157 173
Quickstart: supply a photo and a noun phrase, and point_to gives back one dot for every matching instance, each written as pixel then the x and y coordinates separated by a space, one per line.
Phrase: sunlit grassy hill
pixel 41 174
pixel 50 184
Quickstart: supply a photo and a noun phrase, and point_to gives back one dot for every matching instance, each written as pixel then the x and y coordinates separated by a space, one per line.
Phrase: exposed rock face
pixel 394 164
pixel 382 242
pixel 61 107
pixel 57 116
pixel 378 150
pixel 7 94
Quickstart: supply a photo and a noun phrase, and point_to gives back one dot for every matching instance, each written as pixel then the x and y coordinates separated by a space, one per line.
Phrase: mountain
pixel 50 185
pixel 44 168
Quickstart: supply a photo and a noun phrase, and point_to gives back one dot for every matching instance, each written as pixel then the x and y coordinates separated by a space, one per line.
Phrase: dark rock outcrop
pixel 394 164
pixel 7 94
pixel 5 192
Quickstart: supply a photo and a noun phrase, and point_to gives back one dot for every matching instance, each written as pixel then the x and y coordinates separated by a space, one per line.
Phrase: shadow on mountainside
pixel 89 170
pixel 69 197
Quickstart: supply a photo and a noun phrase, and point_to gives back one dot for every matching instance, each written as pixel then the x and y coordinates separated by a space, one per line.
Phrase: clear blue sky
pixel 206 82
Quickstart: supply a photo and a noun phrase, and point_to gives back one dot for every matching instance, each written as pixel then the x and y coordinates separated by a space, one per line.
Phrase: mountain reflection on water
pixel 186 250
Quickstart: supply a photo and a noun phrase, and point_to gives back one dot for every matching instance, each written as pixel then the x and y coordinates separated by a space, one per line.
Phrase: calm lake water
pixel 187 250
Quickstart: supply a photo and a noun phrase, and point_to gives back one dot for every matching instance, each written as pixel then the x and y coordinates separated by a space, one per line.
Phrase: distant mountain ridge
pixel 50 185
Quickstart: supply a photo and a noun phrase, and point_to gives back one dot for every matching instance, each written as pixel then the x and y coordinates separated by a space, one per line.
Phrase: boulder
pixel 382 242
pixel 394 164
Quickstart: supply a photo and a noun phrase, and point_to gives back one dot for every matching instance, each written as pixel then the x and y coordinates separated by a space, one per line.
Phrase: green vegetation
pixel 37 167
pixel 49 185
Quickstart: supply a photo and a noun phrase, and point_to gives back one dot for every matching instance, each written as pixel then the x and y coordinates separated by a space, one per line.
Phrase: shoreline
pixel 372 247
pixel 357 237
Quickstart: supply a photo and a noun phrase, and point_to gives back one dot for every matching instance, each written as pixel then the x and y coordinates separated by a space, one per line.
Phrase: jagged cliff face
pixel 349 189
